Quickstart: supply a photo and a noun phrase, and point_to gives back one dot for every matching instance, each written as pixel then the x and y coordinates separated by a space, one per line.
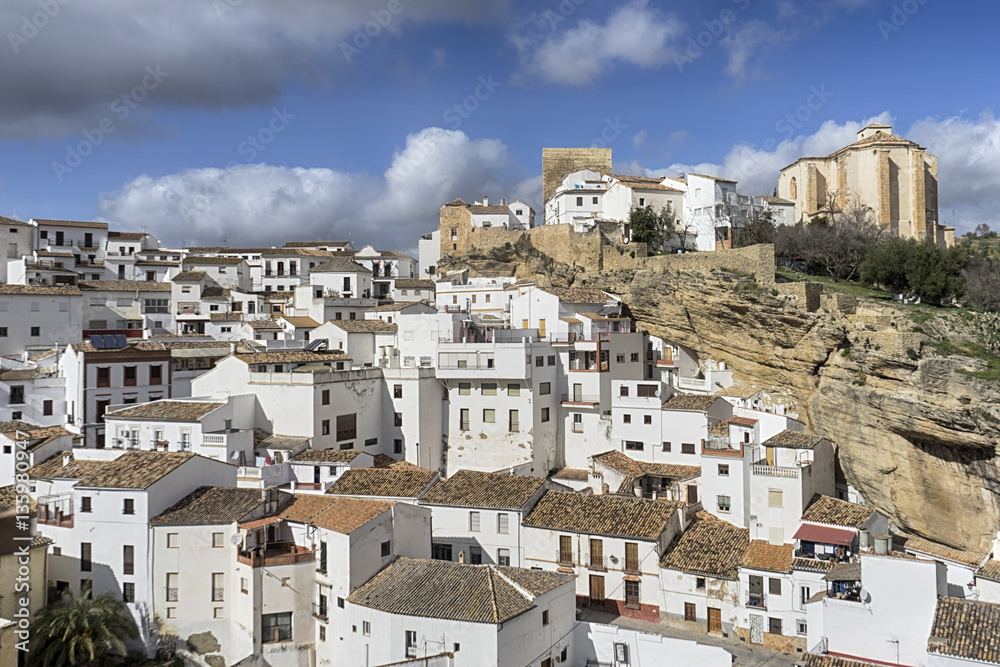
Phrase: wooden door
pixel 596 589
pixel 541 328
pixel 692 492
pixel 714 620
pixel 690 612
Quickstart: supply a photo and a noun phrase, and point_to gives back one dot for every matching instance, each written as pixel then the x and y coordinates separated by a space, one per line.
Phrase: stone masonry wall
pixel 557 163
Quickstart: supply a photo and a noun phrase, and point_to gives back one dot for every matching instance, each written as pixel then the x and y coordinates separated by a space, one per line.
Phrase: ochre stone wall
pixel 558 163
pixel 805 295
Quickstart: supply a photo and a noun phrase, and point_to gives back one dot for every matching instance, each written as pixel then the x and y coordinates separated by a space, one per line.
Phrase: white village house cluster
pixel 323 454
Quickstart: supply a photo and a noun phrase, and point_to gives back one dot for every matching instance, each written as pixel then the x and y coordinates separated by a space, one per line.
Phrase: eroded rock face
pixel 915 437
pixel 203 642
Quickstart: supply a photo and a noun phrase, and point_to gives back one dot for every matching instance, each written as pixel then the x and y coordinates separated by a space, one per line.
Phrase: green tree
pixel 648 226
pixel 884 266
pixel 759 228
pixel 915 268
pixel 82 631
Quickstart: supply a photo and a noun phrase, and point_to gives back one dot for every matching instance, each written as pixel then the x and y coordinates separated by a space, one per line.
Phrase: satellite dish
pixel 236 539
pixel 863 594
pixel 235 456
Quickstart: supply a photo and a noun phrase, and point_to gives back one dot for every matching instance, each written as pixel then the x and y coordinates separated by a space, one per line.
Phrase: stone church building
pixel 895 177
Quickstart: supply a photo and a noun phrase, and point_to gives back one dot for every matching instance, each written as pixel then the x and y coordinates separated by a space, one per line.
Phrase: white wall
pixel 595 641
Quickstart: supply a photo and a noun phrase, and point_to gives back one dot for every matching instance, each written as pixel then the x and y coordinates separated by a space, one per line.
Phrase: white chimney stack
pixel 486 200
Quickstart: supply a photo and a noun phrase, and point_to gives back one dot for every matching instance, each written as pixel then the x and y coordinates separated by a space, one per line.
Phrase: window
pixel 774 498
pixel 633 445
pixel 690 612
pixel 130 374
pixel 218 583
pixel 371 442
pixel 366 628
pixel 440 551
pixel 687 448
pixel 463 419
pixel 346 445
pixel 218 540
pixel 325 427
pixel 347 427
pixel 386 548
pixel 128 592
pixel 805 592
pixel 503 523
pixel 544 389
pixel 545 415
pixel 3 332
pixel 634 356
pixel 632 594
pixel 723 503
pixel 156 375
pixel 801 627
pixel 626 419
pixel 579 201
pixel 47 408
pixel 171 540
pixel 539 361
pixel 774 586
pixel 464 388
pixel 545 617
pixel 85 564
pixel 489 389
pixel 411 643
pixel 322 633
pixel 103 376
pixel 244 585
pixel 397 391
pixel 474 522
pixel 620 359
pixel 85 504
pixel 513 390
pixel 128 559
pixel 397 419
pixel 503 557
pixel 699 583
pixel 87 588
pixel 774 626
pixel 128 507
pixel 647 419
pixel 515 424
pixel 566 549
pixel 646 391
pixel 397 446
pixel 171 587
pixel 723 470
pixel 666 446
pixel 325 397
pixel 276 627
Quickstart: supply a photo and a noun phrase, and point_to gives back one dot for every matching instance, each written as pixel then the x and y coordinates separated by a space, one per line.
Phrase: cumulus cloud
pixel 968 152
pixel 262 204
pixel 68 68
pixel 635 33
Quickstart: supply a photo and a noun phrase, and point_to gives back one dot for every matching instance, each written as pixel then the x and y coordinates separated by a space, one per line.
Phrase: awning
pixel 810 532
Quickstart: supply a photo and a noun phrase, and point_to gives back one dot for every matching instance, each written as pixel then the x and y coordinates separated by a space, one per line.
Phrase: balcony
pixel 693 384
pixel 587 365
pixel 756 601
pixel 631 567
pixel 566 558
pixel 581 399
pixel 189 310
pixel 320 611
pixel 764 470
pixel 55 511
pixel 596 561
pixel 276 553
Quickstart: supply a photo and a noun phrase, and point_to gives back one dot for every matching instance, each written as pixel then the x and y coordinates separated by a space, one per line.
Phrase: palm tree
pixel 85 630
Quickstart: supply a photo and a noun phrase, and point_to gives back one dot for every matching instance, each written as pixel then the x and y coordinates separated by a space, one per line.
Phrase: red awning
pixel 811 532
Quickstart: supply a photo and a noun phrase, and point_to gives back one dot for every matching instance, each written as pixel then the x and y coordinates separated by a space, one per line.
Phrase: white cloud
pixel 635 33
pixel 262 204
pixel 748 41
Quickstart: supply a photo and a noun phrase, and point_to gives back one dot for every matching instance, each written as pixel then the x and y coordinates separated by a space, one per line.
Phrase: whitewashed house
pixel 32 390
pixel 477 516
pixel 342 277
pixel 315 470
pixel 769 615
pixel 36 317
pixel 486 616
pixel 84 241
pixel 988 581
pixel 24 445
pixel 404 485
pixel 832 527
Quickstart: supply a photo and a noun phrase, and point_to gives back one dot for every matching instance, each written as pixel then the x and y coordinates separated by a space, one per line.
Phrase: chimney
pixel 864 541
pixel 503 201
pixel 67 458
pixel 882 545
pixel 486 200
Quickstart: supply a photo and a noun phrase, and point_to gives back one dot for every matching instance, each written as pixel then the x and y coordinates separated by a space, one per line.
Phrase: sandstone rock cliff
pixel 916 437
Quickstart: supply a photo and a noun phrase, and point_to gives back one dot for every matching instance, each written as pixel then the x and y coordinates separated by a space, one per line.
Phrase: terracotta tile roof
pixel 414 283
pixel 935 550
pixel 812 564
pixel 202 260
pixel 345 515
pixel 742 421
pixel 640 183
pixel 305 506
pixel 264 324
pixel 8 498
pixel 713 178
pixel 133 344
pixel 384 461
pixel 258 523
pixel 738 391
pixel 10 427
pixel 836 512
pixel 291 357
pixel 472 488
pixel 579 295
pixel 722 428
pixel 53 468
pixel 572 474
pixel 126 236
pixel 793 440
pixel 35 436
pixel 393 307
pixel 393 253
pixel 709 546
pixel 339 265
pixel 300 322
pixel 315 244
pixel 689 402
pixel 813 660
pixel 536 582
pixel 761 555
pixel 73 223
pixel 157 262
pixel 189 276
pixel 452 591
pixel 133 470
pixel 492 208
pixel 123 286
pixel 777 200
pixel 210 505
pixel 626 465
pixel 326 456
pixel 364 326
pixel 384 482
pixel 215 293
pixel 51 253
pixel 967 629
pixel 40 290
pixel 300 252
pixel 168 410
pixel 12 222
pixel 18 374
pixel 611 515
pixel 990 570
pixel 226 317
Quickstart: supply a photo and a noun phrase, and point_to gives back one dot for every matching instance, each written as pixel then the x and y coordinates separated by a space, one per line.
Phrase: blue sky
pixel 260 122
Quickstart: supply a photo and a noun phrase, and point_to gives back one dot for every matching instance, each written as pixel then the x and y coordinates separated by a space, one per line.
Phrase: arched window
pixel 793 189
